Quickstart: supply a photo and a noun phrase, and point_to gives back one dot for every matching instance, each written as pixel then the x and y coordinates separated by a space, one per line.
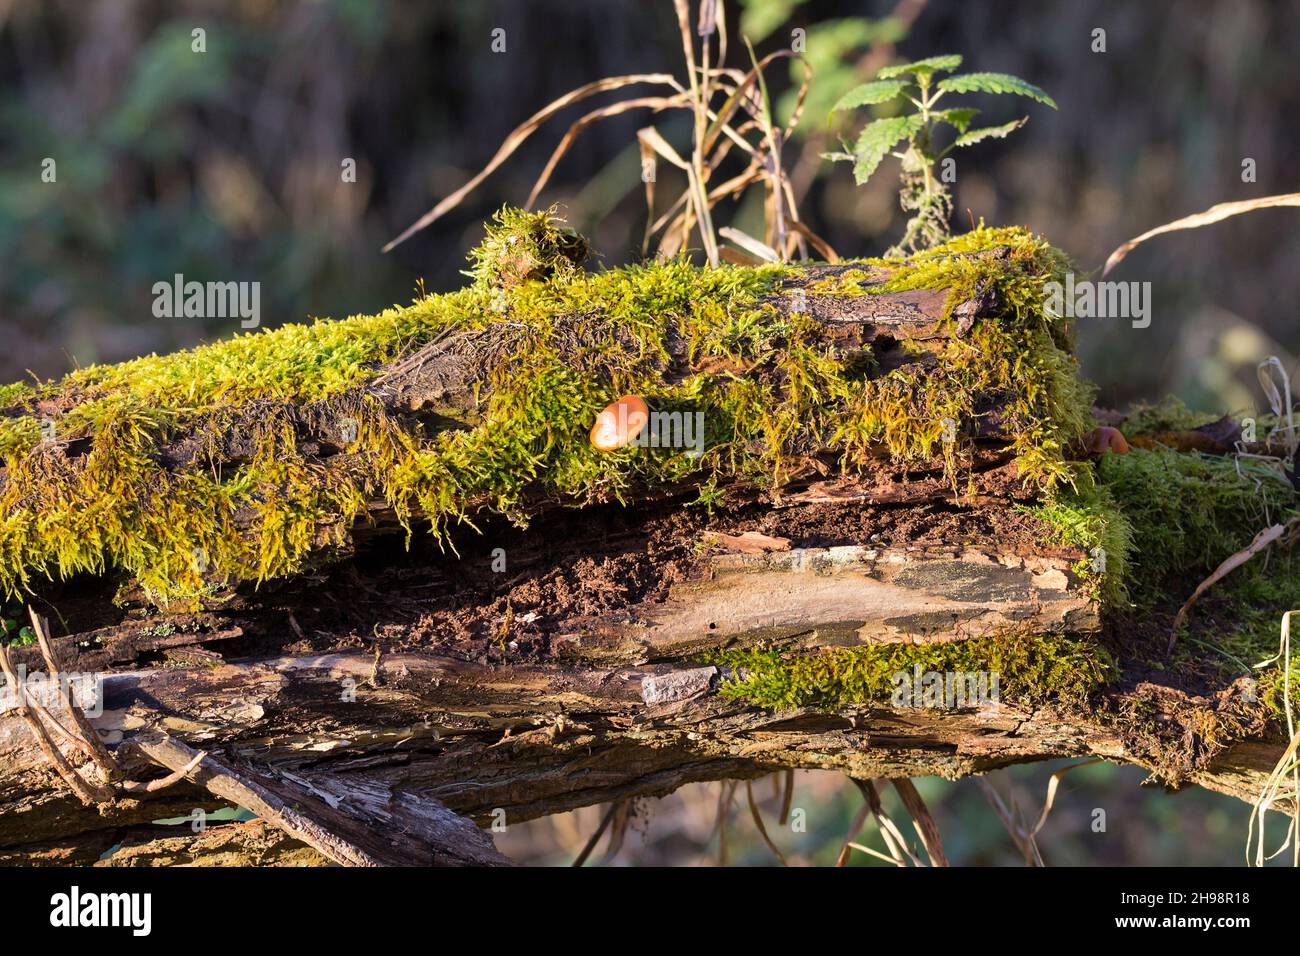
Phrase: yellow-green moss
pixel 524 246
pixel 1018 368
pixel 1169 414
pixel 562 342
pixel 1085 514
pixel 1031 668
pixel 1187 512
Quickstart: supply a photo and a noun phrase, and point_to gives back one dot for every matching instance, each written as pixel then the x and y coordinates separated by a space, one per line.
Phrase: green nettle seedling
pixel 924 193
pixel 10 631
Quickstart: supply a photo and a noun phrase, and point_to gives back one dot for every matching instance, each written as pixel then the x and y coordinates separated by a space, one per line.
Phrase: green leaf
pixel 877 139
pixel 988 132
pixel 994 83
pixel 932 64
pixel 959 117
pixel 868 94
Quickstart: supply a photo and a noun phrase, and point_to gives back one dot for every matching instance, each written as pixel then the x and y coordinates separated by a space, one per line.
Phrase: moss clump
pixel 1187 512
pixel 554 344
pixel 1236 627
pixel 1017 371
pixel 1031 669
pixel 1086 515
pixel 1170 414
pixel 524 247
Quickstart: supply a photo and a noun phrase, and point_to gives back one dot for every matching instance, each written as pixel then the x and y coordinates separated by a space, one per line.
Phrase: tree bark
pixel 503 743
pixel 371 757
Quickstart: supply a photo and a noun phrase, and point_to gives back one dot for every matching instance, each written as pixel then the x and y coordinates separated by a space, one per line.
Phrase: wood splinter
pixel 352 835
pixel 81 736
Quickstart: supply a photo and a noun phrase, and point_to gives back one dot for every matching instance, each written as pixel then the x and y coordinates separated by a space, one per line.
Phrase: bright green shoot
pixel 924 193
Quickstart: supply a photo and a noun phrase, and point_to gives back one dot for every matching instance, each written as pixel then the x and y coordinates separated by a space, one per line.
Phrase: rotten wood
pixel 438 388
pixel 344 820
pixel 521 741
pixel 370 758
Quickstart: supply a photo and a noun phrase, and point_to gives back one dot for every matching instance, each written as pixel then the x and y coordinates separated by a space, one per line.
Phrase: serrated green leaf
pixel 931 64
pixel 868 94
pixel 988 132
pixel 877 139
pixel 959 117
pixel 994 83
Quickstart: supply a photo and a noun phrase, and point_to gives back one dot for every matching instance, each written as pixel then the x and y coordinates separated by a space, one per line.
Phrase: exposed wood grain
pixel 528 741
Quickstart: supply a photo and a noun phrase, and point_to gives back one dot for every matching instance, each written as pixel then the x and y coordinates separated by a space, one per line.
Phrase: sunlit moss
pixel 1031 668
pixel 1187 512
pixel 560 343
pixel 1085 514
pixel 525 246
pixel 1017 367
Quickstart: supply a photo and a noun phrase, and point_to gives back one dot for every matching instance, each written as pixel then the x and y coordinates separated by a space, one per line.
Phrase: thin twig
pixel 87 793
pixel 93 745
pixel 758 821
pixel 581 858
pixel 926 828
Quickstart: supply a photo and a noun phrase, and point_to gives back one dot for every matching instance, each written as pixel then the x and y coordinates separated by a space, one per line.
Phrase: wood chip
pixel 750 542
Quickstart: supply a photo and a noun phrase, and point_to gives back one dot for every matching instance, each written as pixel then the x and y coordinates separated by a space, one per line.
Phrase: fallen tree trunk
pixel 374 698
pixel 563 712
pixel 242 843
pixel 510 743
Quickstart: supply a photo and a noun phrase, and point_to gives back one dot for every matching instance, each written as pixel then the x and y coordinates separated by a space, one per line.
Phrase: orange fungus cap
pixel 620 423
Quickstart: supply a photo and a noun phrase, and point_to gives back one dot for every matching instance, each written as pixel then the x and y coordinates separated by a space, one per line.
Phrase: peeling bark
pixel 525 741
pixel 384 756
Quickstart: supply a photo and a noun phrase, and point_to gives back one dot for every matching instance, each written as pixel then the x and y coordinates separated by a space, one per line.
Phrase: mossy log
pixel 256 458
pixel 232 539
pixel 532 740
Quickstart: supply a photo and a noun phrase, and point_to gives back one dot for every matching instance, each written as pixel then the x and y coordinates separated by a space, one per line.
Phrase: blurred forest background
pixel 225 166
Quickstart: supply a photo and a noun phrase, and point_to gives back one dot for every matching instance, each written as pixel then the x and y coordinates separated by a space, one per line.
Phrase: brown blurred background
pixel 225 165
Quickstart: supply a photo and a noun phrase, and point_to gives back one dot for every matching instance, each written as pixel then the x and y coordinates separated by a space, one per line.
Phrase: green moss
pixel 1167 415
pixel 1238 626
pixel 557 344
pixel 526 246
pixel 1085 514
pixel 1018 368
pixel 1187 512
pixel 1031 669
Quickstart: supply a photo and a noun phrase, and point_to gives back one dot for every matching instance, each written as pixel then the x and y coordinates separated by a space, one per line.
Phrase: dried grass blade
pixel 1287 763
pixel 1230 564
pixel 651 137
pixel 870 852
pixel 787 798
pixel 822 247
pixel 656 103
pixel 926 828
pixel 854 829
pixel 581 858
pixel 1223 210
pixel 1025 843
pixel 1053 785
pixel 758 822
pixel 521 133
pixel 759 250
pixel 895 842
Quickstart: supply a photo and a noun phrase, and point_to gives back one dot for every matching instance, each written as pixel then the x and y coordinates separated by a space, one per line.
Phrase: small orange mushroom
pixel 620 423
pixel 1104 439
